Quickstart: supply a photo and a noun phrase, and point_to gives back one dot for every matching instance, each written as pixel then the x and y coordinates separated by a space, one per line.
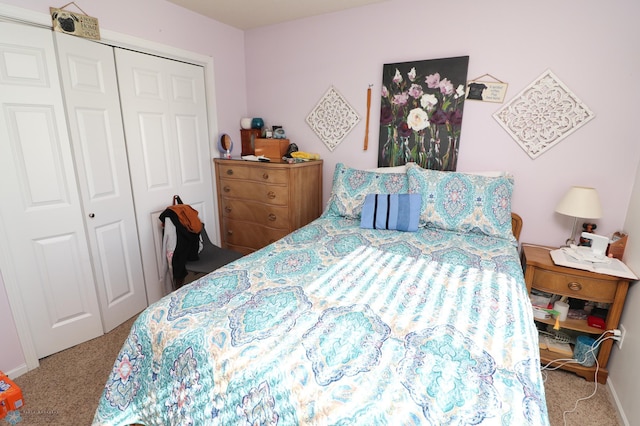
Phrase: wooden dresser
pixel 259 203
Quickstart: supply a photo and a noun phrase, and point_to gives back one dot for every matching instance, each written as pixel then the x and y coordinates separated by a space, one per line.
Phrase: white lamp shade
pixel 580 201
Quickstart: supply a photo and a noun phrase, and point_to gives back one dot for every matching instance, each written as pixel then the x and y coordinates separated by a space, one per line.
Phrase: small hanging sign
pixel 76 24
pixel 487 91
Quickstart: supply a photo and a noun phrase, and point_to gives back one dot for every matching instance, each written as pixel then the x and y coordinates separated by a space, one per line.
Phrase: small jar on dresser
pixel 261 202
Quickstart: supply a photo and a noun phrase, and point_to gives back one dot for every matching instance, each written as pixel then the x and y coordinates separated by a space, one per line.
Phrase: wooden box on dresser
pixel 259 203
pixel 542 274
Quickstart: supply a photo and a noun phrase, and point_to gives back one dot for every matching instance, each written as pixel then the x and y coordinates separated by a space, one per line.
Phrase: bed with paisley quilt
pixel 344 322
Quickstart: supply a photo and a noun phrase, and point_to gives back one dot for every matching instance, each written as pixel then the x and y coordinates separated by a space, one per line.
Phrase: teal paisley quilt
pixel 339 325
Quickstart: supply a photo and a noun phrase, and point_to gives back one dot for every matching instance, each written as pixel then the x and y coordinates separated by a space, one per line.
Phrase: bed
pixel 347 323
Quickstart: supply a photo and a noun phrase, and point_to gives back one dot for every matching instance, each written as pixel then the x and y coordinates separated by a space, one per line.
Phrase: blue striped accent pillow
pixel 391 211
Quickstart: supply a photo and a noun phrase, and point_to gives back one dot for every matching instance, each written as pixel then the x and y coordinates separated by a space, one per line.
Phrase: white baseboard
pixel 622 419
pixel 17 372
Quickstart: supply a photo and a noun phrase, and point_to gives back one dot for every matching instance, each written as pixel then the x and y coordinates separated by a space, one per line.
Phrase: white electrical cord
pixel 595 345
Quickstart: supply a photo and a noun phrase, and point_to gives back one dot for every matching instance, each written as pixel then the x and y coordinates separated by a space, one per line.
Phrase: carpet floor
pixel 65 389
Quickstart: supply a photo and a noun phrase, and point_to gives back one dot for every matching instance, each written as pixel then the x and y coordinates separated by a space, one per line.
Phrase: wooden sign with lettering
pixel 73 23
pixel 487 91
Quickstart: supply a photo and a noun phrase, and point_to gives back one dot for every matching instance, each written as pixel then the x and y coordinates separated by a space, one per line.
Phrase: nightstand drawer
pixel 575 286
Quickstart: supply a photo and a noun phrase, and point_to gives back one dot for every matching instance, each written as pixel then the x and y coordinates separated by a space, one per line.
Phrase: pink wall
pixel 590 47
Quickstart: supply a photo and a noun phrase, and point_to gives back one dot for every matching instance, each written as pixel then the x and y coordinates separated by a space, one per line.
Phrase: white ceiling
pixel 248 14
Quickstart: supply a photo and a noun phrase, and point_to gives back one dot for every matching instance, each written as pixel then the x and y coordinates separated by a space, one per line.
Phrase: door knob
pixel 92 215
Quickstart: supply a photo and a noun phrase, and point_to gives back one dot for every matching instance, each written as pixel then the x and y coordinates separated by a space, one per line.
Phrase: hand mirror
pixel 225 144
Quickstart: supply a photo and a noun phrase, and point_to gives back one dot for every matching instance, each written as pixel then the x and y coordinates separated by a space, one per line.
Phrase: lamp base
pixel 572 239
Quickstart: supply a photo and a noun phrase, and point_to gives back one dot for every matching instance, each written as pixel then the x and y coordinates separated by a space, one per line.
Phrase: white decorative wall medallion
pixel 543 114
pixel 332 118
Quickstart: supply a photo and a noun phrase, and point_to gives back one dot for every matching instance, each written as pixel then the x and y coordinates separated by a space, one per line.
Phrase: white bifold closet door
pixel 90 90
pixel 81 194
pixel 165 119
pixel 40 208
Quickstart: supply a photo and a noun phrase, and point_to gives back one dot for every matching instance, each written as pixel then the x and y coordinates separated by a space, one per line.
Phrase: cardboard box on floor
pixel 10 395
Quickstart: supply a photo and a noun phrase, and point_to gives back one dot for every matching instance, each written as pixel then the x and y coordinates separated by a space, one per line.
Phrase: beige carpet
pixel 66 387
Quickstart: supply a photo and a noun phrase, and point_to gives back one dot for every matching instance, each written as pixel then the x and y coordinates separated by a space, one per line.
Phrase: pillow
pixel 391 169
pixel 463 202
pixel 351 186
pixel 491 173
pixel 391 211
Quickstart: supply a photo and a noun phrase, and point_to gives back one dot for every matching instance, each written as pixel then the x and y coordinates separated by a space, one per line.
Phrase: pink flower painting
pixel 421 112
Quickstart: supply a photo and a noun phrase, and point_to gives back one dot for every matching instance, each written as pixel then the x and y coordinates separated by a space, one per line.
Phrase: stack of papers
pixel 613 266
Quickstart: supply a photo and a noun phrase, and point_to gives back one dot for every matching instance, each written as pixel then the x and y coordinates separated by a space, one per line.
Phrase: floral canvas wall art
pixel 421 112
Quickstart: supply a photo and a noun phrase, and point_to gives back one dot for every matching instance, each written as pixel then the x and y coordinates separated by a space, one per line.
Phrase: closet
pixel 94 142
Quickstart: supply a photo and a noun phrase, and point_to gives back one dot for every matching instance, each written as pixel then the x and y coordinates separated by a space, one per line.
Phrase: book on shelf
pixel 553 345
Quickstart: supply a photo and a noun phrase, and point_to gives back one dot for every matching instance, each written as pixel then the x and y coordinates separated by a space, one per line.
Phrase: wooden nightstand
pixel 542 274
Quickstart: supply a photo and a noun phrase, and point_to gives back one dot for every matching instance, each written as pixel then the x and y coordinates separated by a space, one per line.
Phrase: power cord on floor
pixel 591 351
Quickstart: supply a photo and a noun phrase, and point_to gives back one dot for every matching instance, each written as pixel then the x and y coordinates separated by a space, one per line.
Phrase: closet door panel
pixel 165 117
pixel 61 286
pixel 187 130
pixel 155 148
pixel 90 85
pixel 37 155
pixel 96 156
pixel 40 207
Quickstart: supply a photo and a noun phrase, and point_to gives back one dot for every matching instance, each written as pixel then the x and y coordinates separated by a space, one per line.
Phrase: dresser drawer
pixel 253 172
pixel 253 235
pixel 264 193
pixel 263 214
pixel 575 286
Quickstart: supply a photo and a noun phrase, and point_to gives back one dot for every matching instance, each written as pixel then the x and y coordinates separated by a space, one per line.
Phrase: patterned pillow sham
pixel 463 202
pixel 351 186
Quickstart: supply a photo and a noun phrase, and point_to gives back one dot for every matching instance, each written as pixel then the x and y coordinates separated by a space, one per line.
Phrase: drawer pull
pixel 575 286
pixel 272 217
pixel 226 189
pixel 271 195
pixel 229 231
pixel 265 176
pixel 229 172
pixel 227 209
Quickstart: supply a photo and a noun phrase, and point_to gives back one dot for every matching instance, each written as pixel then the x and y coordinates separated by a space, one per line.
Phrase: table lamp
pixel 579 202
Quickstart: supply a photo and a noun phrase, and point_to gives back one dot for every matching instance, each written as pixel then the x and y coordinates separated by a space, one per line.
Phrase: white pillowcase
pixel 403 169
pixel 394 169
